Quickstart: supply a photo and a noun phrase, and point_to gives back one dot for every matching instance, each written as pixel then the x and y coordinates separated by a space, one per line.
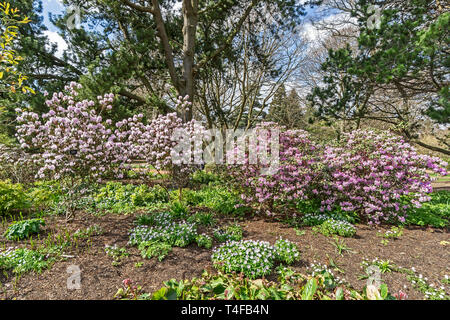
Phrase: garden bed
pixel 426 249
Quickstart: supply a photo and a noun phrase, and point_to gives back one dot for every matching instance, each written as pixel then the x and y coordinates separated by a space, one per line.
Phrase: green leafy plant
pixel 228 233
pixel 23 260
pixel 44 194
pixel 150 249
pixel 341 246
pixel 24 229
pixel 12 197
pixel 286 251
pixel 394 233
pixel 203 177
pixel 203 218
pixel 336 227
pixel 383 265
pixel 234 286
pixel 435 213
pixel 253 258
pixel 204 241
pixel 119 198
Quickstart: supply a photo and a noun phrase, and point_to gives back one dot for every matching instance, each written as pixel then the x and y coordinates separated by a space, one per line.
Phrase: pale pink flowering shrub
pixel 73 139
pixel 168 144
pixel 377 175
pixel 292 177
pixel 72 142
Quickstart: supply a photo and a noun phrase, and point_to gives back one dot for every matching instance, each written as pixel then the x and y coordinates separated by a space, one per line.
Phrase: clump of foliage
pixel 44 194
pixel 435 213
pixel 204 177
pixel 150 249
pixel 219 199
pixel 286 251
pixel 12 197
pixel 228 233
pixel 293 173
pixel 431 292
pixel 117 197
pixel 336 227
pixel 23 229
pixel 117 253
pixel 173 233
pixel 290 286
pixel 205 241
pixel 315 219
pixel 23 260
pixel 202 218
pixel 156 234
pixel 383 265
pixel 393 233
pixel 252 258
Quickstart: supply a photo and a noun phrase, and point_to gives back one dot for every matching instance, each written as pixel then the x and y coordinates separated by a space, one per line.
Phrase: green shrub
pixel 24 229
pixel 12 197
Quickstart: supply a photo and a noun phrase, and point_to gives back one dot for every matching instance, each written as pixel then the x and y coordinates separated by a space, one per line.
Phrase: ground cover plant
pixel 253 258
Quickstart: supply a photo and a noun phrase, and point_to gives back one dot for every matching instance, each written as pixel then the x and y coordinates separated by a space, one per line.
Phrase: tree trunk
pixel 187 87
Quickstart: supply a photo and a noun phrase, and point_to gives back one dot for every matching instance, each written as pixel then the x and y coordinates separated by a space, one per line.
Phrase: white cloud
pixel 55 38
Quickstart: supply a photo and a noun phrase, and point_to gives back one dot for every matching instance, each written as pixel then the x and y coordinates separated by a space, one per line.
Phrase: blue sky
pixel 56 7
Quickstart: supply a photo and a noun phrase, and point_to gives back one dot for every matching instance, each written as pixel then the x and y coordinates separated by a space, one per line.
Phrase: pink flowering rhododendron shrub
pixel 292 176
pixel 377 175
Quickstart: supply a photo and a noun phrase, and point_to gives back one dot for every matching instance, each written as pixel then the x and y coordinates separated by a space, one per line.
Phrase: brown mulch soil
pixel 421 248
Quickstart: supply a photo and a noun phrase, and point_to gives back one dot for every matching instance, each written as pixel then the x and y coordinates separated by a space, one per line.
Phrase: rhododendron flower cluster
pixel 73 138
pixel 294 173
pixel 370 173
